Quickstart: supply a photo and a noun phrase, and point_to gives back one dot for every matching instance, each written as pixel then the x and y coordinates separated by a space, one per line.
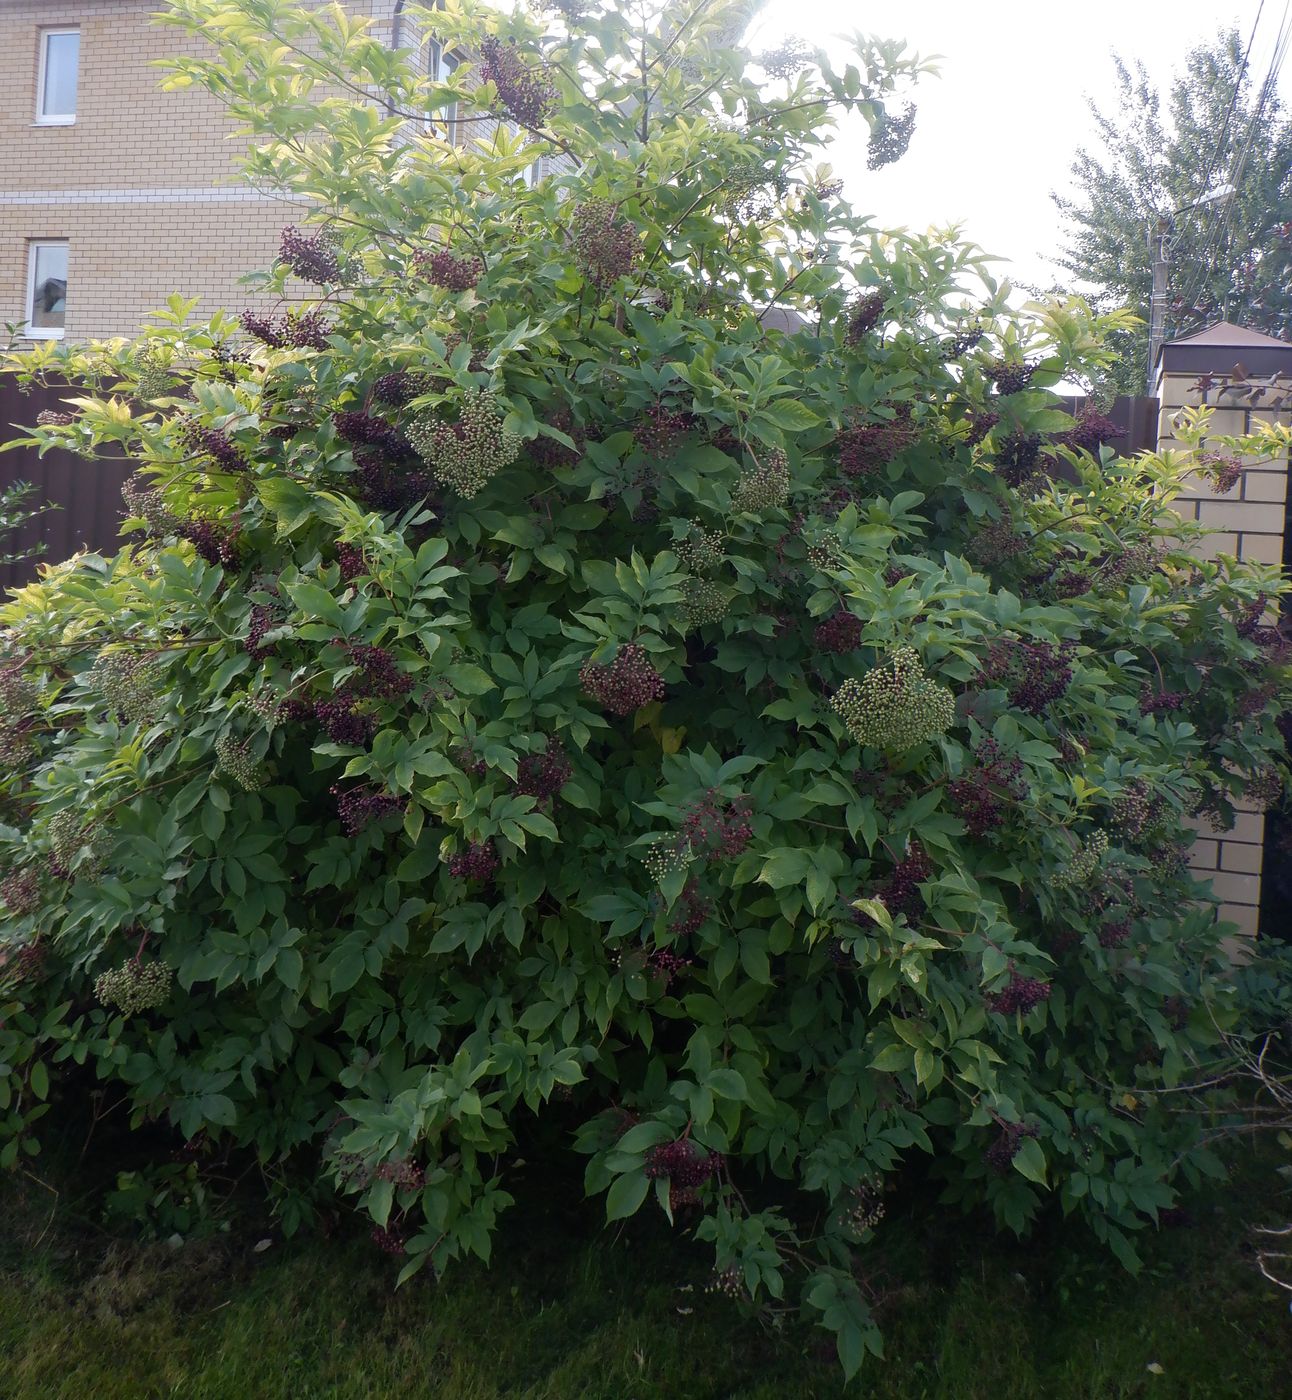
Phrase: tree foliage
pixel 538 692
pixel 1157 152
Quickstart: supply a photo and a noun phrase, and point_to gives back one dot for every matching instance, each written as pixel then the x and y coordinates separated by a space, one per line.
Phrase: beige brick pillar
pixel 1251 378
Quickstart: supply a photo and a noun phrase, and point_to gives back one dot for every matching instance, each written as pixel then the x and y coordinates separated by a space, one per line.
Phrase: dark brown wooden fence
pixel 87 494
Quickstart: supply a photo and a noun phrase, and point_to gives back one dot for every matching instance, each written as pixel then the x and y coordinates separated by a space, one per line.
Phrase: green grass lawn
pixel 566 1313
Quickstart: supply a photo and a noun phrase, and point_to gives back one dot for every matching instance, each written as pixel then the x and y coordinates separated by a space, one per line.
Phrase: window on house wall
pixel 46 288
pixel 60 58
pixel 441 64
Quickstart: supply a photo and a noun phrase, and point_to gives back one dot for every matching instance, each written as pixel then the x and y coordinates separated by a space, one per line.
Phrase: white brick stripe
pixel 171 196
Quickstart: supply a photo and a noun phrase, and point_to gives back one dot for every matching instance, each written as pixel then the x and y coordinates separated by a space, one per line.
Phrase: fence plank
pixel 88 494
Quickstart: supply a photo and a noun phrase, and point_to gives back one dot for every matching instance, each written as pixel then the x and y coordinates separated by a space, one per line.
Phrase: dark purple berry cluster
pixel 790 57
pixel 666 964
pixel 342 722
pixel 388 487
pixel 1018 457
pixel 866 449
pixel 1010 376
pixel 466 758
pixel 996 543
pixel 547 452
pixel 526 94
pixel 717 827
pixel 692 910
pixel 1222 471
pixel 479 862
pixel 661 426
pixel 388 1239
pixel 350 561
pixel 211 442
pixel 626 684
pixel 839 634
pixel 901 893
pixel 1002 1152
pixel 264 618
pixel 367 430
pixel 398 387
pixel 542 775
pixel 312 257
pixel 1035 674
pixel 217 544
pixel 1249 620
pixel 983 792
pixel 685 1166
pixel 379 675
pixel 980 424
pixel 1135 808
pixel 962 342
pixel 889 138
pixel 1159 702
pixel 299 330
pixel 1114 933
pixel 605 246
pixel 20 891
pixel 1021 994
pixel 358 807
pixel 1091 430
pixel 1176 1010
pixel 445 269
pixel 405 1175
pixel 864 313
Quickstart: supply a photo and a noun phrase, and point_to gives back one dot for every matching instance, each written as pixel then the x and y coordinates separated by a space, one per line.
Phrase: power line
pixel 1224 217
pixel 1229 111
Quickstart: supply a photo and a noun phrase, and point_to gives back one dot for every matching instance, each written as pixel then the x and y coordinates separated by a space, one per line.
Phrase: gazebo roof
pixel 1222 346
pixel 1226 334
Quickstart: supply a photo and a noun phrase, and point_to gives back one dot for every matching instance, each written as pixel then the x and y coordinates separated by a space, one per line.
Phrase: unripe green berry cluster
pixel 18 692
pixel 152 380
pixel 704 601
pixel 895 705
pixel 703 550
pixel 147 502
pixel 134 986
pixel 465 455
pixel 664 858
pixel 234 758
pixel 125 682
pixel 1083 863
pixel 78 847
pixel 765 488
pixel 605 246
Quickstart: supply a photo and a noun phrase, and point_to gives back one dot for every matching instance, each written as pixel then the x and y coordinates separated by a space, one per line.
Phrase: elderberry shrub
pixel 720 790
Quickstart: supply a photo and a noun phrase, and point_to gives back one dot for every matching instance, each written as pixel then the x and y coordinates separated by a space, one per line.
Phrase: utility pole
pixel 1157 303
pixel 1158 250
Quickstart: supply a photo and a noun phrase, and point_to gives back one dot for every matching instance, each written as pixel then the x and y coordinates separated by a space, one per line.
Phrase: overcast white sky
pixel 997 130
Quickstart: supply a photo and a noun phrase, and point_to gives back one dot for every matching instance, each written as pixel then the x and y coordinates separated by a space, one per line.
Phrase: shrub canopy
pixel 537 690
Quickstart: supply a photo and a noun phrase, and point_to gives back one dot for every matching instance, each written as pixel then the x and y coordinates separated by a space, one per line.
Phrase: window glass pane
pixel 62 52
pixel 49 287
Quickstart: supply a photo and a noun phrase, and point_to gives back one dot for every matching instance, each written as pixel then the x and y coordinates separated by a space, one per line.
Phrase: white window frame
pixel 437 57
pixel 30 331
pixel 44 118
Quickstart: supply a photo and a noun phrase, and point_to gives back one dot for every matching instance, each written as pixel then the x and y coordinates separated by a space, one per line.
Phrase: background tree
pixel 1218 121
